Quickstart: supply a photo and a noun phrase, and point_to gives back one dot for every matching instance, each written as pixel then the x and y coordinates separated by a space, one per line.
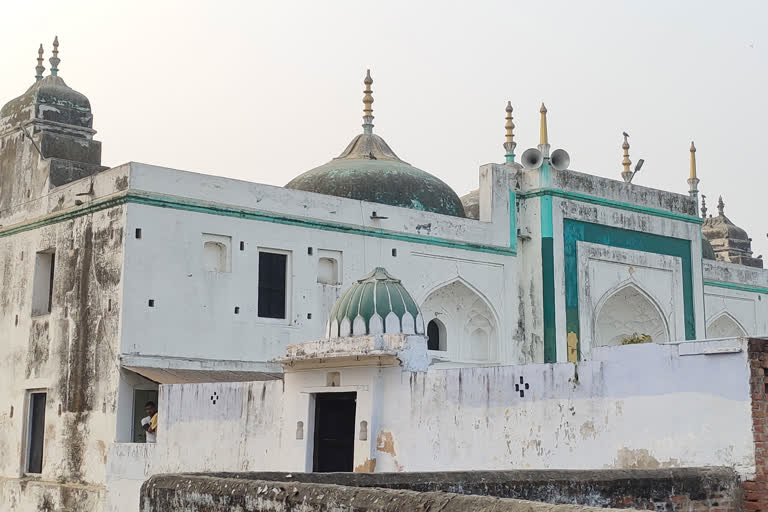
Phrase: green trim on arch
pixel 575 231
pixel 191 205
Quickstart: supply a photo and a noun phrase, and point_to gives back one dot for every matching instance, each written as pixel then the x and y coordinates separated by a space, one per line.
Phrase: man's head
pixel 150 408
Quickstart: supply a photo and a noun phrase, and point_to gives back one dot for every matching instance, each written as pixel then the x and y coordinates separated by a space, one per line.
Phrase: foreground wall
pixel 684 489
pixel 643 406
pixel 189 493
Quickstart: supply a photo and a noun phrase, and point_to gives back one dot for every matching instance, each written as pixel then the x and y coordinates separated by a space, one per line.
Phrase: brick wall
pixel 756 491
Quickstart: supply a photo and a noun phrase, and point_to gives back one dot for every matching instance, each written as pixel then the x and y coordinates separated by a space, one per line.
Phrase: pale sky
pixel 263 91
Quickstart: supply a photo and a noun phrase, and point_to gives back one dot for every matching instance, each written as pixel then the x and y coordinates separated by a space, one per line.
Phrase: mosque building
pixel 543 316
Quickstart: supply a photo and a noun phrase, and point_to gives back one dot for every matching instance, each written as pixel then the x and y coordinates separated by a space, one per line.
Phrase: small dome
pixel 376 304
pixel 721 227
pixel 471 203
pixel 368 170
pixel 50 99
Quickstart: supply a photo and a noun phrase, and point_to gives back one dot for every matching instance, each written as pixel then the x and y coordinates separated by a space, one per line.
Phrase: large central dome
pixel 368 170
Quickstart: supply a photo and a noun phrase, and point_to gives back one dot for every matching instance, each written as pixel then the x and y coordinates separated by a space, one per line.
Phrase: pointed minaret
pixel 626 174
pixel 543 135
pixel 720 206
pixel 509 138
pixel 55 59
pixel 693 181
pixel 703 206
pixel 368 104
pixel 39 69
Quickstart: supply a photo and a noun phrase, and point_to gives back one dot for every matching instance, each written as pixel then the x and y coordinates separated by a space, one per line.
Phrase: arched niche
pixel 466 325
pixel 627 311
pixel 725 326
pixel 215 256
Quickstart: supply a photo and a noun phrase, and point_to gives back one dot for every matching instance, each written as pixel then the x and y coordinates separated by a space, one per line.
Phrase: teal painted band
pixel 545 174
pixel 548 300
pixel 513 219
pixel 548 281
pixel 548 192
pixel 734 286
pixel 510 158
pixel 199 207
pixel 64 216
pixel 546 216
pixel 575 231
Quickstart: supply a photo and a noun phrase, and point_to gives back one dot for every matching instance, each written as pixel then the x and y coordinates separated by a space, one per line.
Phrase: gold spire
pixel 368 104
pixel 543 136
pixel 509 125
pixel 693 161
pixel 626 162
pixel 509 138
pixel 39 69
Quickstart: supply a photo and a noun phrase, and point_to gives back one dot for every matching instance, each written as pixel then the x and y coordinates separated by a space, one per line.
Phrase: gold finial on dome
pixel 693 161
pixel 39 69
pixel 543 135
pixel 509 138
pixel 368 104
pixel 626 162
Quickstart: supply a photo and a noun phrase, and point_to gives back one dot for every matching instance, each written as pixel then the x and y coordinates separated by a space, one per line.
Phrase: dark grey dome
pixel 50 99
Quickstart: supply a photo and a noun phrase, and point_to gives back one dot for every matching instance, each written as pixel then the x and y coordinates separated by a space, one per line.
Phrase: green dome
pixel 376 304
pixel 368 170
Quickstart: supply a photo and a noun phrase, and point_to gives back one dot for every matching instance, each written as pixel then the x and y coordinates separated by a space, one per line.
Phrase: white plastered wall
pixel 193 314
pixel 605 270
pixel 631 221
pixel 742 307
pixel 603 413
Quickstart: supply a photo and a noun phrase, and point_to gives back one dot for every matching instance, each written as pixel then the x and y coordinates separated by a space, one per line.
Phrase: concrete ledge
pixel 712 347
pixel 197 493
pixel 634 488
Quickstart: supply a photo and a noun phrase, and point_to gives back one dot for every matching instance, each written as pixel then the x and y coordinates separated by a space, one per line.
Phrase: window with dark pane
pixel 272 284
pixel 36 434
pixel 433 336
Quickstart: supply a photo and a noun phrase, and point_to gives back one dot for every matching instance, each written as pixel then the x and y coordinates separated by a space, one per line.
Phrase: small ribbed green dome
pixel 376 304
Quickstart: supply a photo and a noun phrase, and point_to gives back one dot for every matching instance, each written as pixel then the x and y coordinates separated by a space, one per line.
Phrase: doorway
pixel 334 446
pixel 140 398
